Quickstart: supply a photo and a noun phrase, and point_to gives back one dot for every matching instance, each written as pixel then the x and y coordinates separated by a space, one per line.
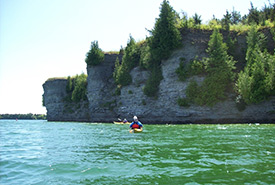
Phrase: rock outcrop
pixel 58 109
pixel 104 105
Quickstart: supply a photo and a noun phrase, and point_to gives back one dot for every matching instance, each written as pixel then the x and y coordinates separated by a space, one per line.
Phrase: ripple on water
pixel 75 153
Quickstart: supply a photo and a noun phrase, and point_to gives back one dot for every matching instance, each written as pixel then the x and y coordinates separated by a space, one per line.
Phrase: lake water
pixel 41 152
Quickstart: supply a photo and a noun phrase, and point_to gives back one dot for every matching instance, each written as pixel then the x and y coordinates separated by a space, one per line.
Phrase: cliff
pixel 58 109
pixel 104 105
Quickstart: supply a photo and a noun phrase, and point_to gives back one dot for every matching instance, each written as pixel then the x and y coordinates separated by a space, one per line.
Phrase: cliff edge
pixel 104 105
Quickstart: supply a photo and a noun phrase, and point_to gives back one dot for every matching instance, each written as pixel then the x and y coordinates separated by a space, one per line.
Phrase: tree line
pixel 23 116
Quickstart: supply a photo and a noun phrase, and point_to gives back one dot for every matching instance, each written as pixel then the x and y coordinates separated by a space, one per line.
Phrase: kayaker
pixel 136 124
pixel 125 120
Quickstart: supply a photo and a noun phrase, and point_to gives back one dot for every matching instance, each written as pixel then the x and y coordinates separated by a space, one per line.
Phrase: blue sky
pixel 40 39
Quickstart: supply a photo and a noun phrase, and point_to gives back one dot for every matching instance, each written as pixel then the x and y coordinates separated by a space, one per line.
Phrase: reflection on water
pixel 40 152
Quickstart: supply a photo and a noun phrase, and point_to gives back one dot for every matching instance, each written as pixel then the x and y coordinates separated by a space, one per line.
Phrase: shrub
pixel 76 88
pixel 95 56
pixel 80 88
pixel 194 67
pixel 183 102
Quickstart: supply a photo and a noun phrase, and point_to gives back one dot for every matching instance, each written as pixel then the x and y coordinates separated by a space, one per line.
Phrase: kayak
pixel 120 122
pixel 136 130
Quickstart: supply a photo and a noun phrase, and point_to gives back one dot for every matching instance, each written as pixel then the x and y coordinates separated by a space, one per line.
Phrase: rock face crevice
pixel 103 105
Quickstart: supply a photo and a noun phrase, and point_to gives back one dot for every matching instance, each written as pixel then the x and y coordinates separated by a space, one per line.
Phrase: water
pixel 41 152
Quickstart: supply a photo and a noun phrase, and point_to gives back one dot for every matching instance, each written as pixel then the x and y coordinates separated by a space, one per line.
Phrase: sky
pixel 40 39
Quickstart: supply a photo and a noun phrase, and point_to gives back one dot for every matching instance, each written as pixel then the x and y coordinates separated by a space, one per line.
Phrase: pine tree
pixel 117 66
pixel 165 35
pixel 165 38
pixel 95 56
pixel 226 21
pixel 219 75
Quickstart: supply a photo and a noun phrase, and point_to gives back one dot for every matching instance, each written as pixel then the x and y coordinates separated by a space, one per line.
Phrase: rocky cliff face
pixel 57 108
pixel 106 106
pixel 101 90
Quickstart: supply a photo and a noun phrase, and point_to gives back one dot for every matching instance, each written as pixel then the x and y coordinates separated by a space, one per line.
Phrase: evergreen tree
pixel 197 19
pixel 253 16
pixel 256 83
pixel 236 17
pixel 95 56
pixel 255 41
pixel 219 68
pixel 117 66
pixel 130 59
pixel 131 54
pixel 226 21
pixel 80 88
pixel 123 76
pixel 165 35
pixel 165 38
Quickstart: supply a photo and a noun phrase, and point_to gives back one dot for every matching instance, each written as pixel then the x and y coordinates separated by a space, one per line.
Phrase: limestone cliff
pixel 58 109
pixel 105 106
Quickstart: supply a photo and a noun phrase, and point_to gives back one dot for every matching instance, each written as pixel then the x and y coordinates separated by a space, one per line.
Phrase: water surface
pixel 41 152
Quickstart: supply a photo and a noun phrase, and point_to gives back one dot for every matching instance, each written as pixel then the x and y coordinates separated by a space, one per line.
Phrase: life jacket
pixel 135 125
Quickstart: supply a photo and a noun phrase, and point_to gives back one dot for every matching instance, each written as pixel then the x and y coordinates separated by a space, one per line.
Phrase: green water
pixel 40 152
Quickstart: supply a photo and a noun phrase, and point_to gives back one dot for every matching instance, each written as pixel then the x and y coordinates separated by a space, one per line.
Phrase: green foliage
pixel 118 90
pixel 255 41
pixel 165 35
pixel 76 88
pixel 182 71
pixel 253 16
pixel 23 116
pixel 183 102
pixel 231 44
pixel 257 82
pixel 123 76
pixel 80 88
pixel 145 55
pixel 226 21
pixel 131 59
pixel 131 54
pixel 219 74
pixel 194 67
pixel 197 19
pixel 152 84
pixel 165 38
pixel 95 56
pixel 43 101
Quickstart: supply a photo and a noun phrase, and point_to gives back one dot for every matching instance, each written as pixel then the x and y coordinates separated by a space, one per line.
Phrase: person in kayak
pixel 136 124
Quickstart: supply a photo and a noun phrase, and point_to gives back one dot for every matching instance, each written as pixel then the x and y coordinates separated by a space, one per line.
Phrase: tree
pixel 95 56
pixel 255 41
pixel 219 69
pixel 130 59
pixel 236 17
pixel 257 82
pixel 80 88
pixel 226 21
pixel 117 66
pixel 253 15
pixel 131 54
pixel 165 38
pixel 165 35
pixel 197 19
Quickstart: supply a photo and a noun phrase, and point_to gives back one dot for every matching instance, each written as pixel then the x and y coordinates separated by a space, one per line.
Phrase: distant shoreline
pixel 29 116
